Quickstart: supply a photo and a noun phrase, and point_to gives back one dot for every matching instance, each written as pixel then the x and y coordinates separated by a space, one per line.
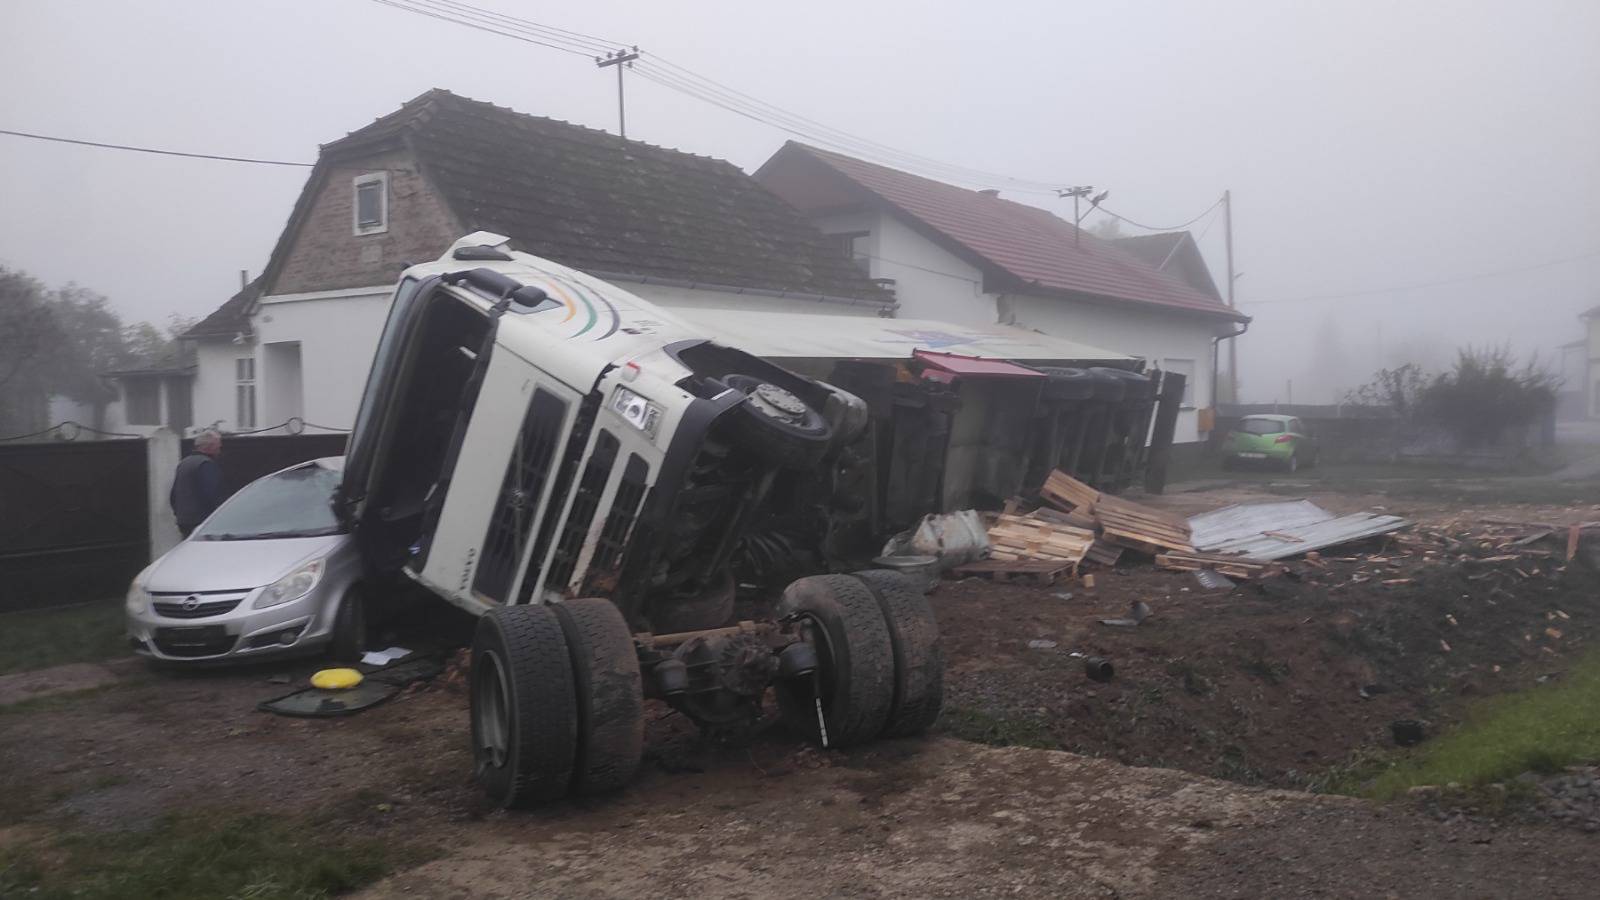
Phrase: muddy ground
pixel 1259 685
pixel 1282 682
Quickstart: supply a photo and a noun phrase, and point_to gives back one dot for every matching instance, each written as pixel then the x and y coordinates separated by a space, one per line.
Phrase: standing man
pixel 197 485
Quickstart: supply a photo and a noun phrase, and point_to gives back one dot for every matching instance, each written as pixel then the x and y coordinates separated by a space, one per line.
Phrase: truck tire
pixel 855 661
pixel 349 627
pixel 605 670
pixel 524 708
pixel 918 658
pixel 778 426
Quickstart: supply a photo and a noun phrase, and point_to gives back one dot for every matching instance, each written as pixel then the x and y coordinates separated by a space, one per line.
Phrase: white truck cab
pixel 576 466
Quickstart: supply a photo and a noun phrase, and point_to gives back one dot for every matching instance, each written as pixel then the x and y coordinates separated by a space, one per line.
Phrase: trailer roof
pixel 782 335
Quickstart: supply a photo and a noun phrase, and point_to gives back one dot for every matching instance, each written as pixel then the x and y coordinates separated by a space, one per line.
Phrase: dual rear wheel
pixel 557 701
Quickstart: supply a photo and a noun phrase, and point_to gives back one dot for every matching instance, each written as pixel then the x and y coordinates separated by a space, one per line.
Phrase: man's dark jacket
pixel 196 489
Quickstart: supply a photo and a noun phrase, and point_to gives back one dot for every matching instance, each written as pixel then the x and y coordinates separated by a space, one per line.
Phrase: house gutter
pixel 884 309
pixel 1216 353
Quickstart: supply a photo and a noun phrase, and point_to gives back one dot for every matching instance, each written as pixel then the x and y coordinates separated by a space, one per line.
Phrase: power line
pixel 1428 284
pixel 1129 221
pixel 682 80
pixel 159 152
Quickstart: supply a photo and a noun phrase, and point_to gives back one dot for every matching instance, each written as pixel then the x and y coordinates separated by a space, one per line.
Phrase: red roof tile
pixel 1024 242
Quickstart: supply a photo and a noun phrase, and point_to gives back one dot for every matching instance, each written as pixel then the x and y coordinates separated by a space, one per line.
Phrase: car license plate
pixel 1252 456
pixel 194 636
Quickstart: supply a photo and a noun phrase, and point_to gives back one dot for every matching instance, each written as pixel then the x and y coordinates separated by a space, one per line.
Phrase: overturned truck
pixel 587 473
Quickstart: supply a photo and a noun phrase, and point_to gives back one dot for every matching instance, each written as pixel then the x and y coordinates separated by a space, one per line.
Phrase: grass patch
pixel 1543 729
pixel 51 637
pixel 202 855
pixel 982 727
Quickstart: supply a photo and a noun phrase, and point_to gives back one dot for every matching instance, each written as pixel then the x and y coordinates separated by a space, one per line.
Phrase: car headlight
pixel 636 411
pixel 290 587
pixel 138 598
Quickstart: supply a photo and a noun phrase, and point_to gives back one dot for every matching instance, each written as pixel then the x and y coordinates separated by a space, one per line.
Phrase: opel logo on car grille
pixel 191 603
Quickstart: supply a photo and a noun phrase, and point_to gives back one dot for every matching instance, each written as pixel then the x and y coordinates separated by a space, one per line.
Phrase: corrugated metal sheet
pixel 1269 531
pixel 782 335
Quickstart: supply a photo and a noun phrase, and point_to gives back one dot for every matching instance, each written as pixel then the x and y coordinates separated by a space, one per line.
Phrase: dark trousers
pixel 186 530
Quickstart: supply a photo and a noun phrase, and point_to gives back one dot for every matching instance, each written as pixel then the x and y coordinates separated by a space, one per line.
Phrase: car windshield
pixel 1261 426
pixel 289 504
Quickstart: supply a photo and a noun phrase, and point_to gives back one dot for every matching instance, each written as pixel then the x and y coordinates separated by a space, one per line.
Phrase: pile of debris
pixel 1077 524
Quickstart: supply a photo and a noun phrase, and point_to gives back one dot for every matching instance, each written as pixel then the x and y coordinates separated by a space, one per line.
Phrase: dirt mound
pixel 1279 682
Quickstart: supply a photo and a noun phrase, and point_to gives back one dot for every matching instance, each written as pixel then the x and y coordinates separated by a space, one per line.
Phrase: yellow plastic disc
pixel 336 679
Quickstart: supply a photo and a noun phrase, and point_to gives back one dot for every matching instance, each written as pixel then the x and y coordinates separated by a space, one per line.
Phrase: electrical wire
pixel 422 9
pixel 1129 221
pixel 160 152
pixel 1425 284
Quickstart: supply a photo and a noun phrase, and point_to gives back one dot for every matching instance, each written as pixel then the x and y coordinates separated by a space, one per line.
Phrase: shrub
pixel 1486 393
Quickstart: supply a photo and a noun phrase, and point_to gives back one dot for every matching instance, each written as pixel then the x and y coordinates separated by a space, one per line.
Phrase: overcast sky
pixel 1368 145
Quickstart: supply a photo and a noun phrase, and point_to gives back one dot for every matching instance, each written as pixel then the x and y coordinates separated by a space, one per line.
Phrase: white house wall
pixel 929 281
pixel 337 336
pixel 213 382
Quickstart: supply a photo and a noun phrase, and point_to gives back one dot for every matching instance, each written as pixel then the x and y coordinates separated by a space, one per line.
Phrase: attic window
pixel 371 203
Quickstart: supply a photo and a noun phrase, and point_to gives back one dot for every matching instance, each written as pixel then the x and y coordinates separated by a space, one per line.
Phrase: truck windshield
pixel 289 504
pixel 1261 426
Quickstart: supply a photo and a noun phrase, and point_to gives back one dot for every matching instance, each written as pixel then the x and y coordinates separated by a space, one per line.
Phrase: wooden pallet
pixel 1022 571
pixel 1067 493
pixel 1132 528
pixel 1103 554
pixel 1027 537
pixel 1231 566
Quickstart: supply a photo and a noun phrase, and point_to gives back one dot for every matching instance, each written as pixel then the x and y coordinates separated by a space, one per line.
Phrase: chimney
pixel 990 192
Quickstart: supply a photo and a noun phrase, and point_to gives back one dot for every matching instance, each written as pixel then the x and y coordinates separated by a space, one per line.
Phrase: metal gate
pixel 73 522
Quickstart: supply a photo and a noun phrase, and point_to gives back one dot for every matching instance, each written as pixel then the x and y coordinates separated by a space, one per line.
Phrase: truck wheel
pixel 783 429
pixel 523 706
pixel 605 670
pixel 349 628
pixel 707 609
pixel 855 660
pixel 918 658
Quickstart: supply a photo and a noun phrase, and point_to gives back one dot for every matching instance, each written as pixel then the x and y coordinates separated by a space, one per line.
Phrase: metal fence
pixel 76 516
pixel 73 521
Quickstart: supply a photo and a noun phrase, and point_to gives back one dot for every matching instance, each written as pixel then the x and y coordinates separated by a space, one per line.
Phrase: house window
pixel 244 376
pixel 371 203
pixel 142 400
pixel 1184 367
pixel 849 246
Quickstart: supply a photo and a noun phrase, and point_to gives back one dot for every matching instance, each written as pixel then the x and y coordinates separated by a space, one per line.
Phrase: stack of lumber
pixel 1033 538
pixel 1121 523
pixel 1231 566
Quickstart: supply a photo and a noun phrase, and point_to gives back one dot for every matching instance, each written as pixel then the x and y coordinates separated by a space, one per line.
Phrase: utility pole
pixel 1078 193
pixel 619 59
pixel 1233 343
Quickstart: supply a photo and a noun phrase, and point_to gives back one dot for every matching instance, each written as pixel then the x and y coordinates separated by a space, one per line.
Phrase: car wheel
pixel 349 628
pixel 780 427
pixel 605 670
pixel 918 658
pixel 708 609
pixel 523 706
pixel 855 674
pixel 1292 464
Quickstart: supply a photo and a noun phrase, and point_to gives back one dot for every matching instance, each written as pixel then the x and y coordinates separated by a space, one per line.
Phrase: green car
pixel 1280 440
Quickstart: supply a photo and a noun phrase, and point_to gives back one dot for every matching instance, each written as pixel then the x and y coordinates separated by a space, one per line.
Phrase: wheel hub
pixel 778 403
pixel 492 714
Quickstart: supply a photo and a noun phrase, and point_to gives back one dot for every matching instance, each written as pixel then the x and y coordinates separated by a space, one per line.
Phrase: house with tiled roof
pixel 675 228
pixel 975 257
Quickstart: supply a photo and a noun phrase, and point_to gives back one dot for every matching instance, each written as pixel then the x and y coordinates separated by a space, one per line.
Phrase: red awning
pixel 950 366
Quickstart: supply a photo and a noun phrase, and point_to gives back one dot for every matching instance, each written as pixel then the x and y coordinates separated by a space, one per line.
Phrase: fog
pixel 1369 146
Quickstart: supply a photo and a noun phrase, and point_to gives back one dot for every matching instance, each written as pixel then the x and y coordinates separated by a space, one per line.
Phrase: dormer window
pixel 371 203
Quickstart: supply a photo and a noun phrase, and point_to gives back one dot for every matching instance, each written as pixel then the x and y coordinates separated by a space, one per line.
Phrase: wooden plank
pixel 1031 571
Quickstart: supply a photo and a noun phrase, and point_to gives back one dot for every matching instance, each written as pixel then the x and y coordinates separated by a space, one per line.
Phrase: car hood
pixel 195 566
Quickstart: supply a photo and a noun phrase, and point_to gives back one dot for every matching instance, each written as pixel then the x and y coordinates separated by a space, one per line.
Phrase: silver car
pixel 270 572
